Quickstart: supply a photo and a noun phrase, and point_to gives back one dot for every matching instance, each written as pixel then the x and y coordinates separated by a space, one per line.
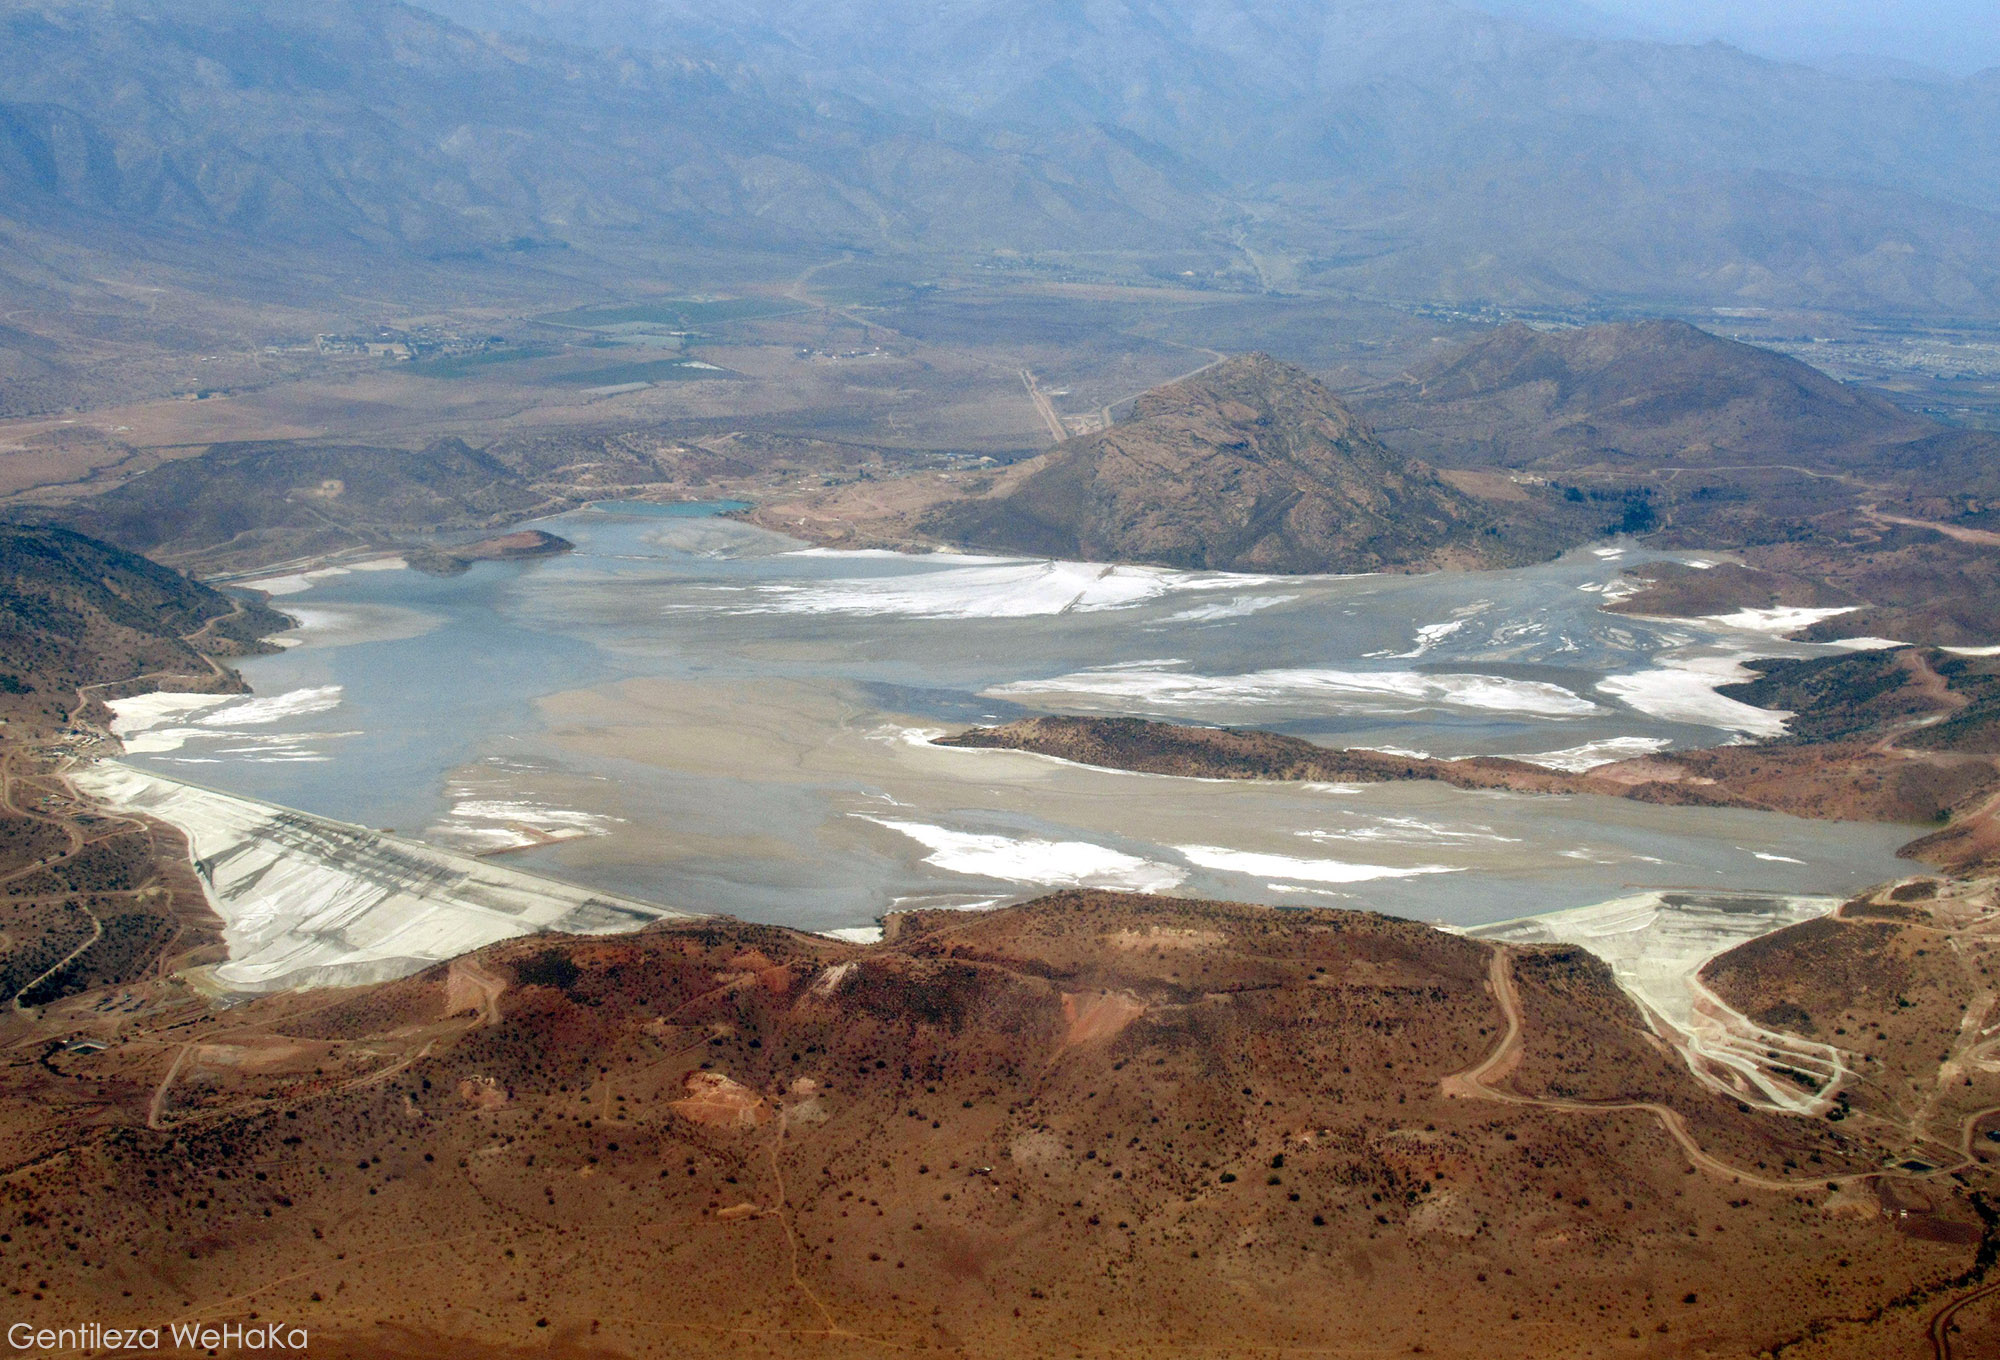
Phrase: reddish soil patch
pixel 719 1102
pixel 1093 1016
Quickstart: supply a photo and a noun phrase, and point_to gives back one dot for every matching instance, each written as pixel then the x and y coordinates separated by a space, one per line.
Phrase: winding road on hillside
pixel 1483 1081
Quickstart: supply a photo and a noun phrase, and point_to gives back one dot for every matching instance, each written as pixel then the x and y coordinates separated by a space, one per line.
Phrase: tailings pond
pixel 695 712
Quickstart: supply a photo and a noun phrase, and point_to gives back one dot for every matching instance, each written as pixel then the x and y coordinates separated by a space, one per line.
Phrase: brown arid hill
pixel 1250 465
pixel 1898 736
pixel 89 899
pixel 1831 494
pixel 1934 584
pixel 1927 698
pixel 246 505
pixel 75 611
pixel 1675 590
pixel 1152 747
pixel 1894 736
pixel 1096 1125
pixel 1641 395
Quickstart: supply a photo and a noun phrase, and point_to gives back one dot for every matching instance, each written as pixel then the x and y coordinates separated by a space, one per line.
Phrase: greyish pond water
pixel 703 714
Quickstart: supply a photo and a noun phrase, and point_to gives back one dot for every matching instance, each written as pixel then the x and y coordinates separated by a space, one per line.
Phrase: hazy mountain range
pixel 1415 149
pixel 1422 147
pixel 374 121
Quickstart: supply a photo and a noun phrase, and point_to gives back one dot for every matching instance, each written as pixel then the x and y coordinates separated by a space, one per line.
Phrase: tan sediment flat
pixel 155 430
pixel 864 514
pixel 1984 538
pixel 746 793
pixel 789 733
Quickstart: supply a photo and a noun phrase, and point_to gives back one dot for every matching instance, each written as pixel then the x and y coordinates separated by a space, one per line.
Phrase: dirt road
pixel 1941 1320
pixel 1045 408
pixel 470 986
pixel 1482 1082
pixel 1984 538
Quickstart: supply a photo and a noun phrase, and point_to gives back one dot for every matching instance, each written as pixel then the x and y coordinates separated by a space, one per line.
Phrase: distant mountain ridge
pixel 373 121
pixel 1265 88
pixel 1251 465
pixel 1421 148
pixel 1411 149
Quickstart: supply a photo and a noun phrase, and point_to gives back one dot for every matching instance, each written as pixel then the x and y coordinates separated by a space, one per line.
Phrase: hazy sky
pixel 1953 35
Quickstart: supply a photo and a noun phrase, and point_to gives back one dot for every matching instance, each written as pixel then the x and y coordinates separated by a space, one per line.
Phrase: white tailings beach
pixel 1780 622
pixel 1590 755
pixel 1037 863
pixel 1683 689
pixel 1657 943
pixel 308 902
pixel 298 582
pixel 159 723
pixel 1313 690
pixel 992 588
pixel 1300 870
